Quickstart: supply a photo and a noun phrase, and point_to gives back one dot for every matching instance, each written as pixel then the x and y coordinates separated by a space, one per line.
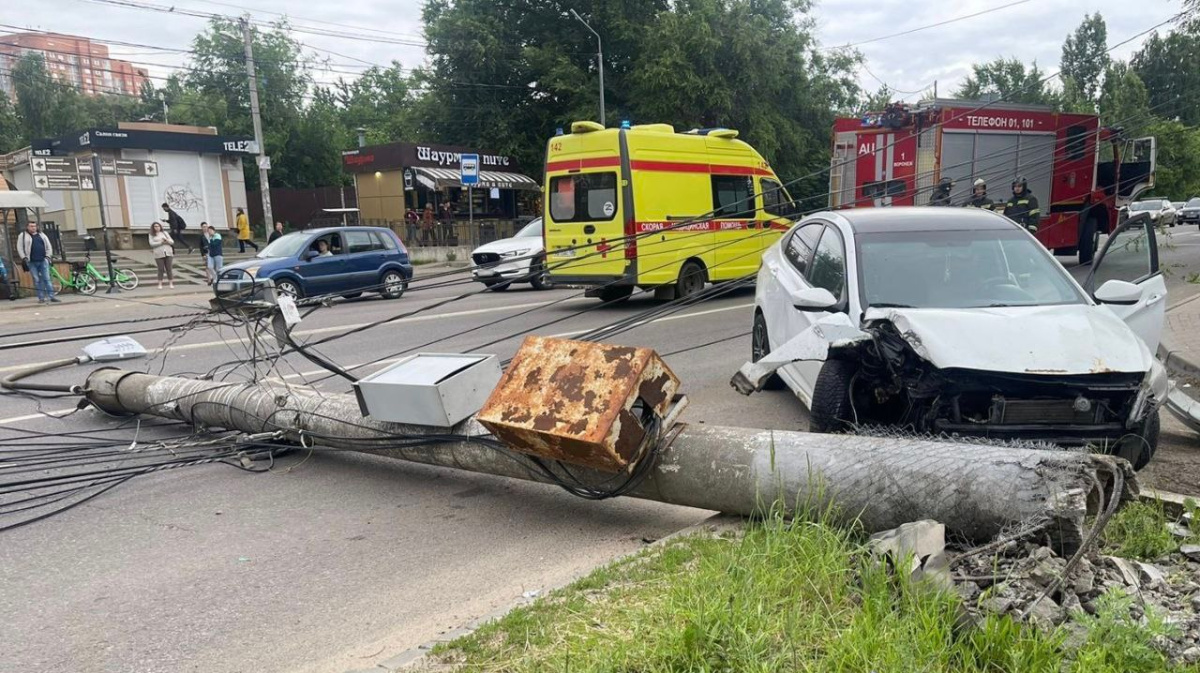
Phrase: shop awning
pixel 436 178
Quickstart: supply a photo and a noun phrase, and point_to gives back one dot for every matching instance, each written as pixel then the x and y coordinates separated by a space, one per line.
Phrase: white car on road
pixel 520 259
pixel 957 321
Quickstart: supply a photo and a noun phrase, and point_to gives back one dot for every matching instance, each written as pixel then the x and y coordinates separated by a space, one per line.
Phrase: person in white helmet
pixel 979 197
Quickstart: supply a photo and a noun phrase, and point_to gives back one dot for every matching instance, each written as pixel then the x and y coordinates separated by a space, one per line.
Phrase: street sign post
pixel 96 168
pixel 69 173
pixel 469 176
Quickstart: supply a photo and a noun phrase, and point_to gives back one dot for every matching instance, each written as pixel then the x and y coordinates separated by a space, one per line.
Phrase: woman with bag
pixel 163 247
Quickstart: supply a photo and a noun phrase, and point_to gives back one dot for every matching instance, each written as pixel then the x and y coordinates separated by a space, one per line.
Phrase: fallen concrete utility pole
pixel 976 490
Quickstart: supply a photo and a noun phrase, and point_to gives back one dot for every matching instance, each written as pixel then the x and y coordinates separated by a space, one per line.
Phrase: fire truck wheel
pixel 1087 241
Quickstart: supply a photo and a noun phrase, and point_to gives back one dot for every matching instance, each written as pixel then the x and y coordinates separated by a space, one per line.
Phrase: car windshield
pixel 531 230
pixel 960 269
pixel 285 246
pixel 1146 205
pixel 1194 203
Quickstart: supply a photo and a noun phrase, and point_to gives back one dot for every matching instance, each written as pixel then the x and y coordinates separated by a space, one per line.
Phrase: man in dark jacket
pixel 1023 208
pixel 176 224
pixel 941 193
pixel 979 197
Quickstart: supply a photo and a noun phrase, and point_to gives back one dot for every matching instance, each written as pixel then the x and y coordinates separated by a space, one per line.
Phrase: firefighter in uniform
pixel 941 193
pixel 1022 208
pixel 979 197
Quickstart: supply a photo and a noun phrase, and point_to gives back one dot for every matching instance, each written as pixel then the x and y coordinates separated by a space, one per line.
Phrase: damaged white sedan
pixel 957 321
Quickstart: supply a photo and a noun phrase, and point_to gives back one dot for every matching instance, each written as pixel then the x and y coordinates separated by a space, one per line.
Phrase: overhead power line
pixel 918 29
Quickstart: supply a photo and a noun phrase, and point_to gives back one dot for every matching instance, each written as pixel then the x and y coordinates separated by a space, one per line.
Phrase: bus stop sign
pixel 469 170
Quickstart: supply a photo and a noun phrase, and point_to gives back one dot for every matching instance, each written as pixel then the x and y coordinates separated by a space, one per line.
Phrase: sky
pixel 1028 29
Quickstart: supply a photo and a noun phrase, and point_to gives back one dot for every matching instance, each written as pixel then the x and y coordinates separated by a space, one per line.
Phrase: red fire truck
pixel 1080 172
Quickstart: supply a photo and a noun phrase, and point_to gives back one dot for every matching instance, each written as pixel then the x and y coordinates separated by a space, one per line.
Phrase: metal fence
pixel 458 233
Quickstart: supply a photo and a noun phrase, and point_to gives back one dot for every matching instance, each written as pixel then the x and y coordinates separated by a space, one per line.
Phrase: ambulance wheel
pixel 691 280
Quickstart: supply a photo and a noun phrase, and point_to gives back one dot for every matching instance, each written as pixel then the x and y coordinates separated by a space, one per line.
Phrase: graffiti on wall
pixel 181 197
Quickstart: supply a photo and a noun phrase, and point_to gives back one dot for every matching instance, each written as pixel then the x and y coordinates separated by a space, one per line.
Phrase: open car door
pixel 1126 279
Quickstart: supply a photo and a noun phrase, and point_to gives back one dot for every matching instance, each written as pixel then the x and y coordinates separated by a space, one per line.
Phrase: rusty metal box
pixel 577 401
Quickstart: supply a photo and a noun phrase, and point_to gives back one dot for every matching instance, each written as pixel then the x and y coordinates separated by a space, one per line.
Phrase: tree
pixel 218 71
pixel 11 134
pixel 1124 101
pixel 1084 60
pixel 1178 173
pixel 381 100
pixel 1010 80
pixel 703 66
pixel 1167 66
pixel 505 74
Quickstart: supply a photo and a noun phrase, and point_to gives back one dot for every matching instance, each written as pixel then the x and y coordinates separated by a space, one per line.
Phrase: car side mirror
pixel 1120 292
pixel 310 255
pixel 813 299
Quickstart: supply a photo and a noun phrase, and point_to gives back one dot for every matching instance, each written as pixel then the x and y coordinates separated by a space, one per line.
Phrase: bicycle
pixel 85 277
pixel 80 280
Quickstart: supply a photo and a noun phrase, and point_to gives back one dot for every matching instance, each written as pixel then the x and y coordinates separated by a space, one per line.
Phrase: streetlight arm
pixel 599 59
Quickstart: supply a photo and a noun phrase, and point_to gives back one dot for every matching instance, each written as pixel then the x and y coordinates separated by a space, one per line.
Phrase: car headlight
pixel 252 271
pixel 515 253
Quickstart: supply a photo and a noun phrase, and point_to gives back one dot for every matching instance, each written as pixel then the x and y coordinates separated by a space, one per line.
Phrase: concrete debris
pixel 1150 574
pixel 916 548
pixel 1127 570
pixel 1009 579
pixel 1192 551
pixel 1179 530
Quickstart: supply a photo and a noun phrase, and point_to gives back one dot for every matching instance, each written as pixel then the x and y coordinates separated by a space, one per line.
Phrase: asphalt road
pixel 330 562
pixel 333 562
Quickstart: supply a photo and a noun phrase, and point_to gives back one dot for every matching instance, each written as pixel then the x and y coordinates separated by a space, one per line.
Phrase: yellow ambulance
pixel 645 206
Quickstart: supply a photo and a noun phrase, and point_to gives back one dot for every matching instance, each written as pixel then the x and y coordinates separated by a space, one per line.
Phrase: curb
pixel 410 659
pixel 1178 365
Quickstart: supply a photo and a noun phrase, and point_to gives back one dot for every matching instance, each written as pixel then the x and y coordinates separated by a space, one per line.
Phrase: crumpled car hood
pixel 1050 340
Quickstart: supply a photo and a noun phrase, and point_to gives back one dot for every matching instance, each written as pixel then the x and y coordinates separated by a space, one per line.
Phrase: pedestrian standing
pixel 447 222
pixel 275 234
pixel 941 194
pixel 243 232
pixel 163 248
pixel 428 222
pixel 1023 208
pixel 216 254
pixel 410 222
pixel 176 225
pixel 204 252
pixel 36 254
pixel 979 197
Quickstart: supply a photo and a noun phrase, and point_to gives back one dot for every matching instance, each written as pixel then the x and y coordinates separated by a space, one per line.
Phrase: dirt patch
pixel 1176 464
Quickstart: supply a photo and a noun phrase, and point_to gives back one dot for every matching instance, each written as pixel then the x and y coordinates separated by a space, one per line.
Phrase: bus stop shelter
pixel 14 213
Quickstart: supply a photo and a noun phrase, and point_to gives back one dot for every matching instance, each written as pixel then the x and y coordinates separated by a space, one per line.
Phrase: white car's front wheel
pixel 831 409
pixel 760 346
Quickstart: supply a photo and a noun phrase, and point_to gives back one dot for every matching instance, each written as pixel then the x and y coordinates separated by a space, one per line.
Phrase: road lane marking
pixel 684 316
pixel 311 332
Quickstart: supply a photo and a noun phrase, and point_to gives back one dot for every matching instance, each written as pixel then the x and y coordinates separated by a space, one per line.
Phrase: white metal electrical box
pixel 432 389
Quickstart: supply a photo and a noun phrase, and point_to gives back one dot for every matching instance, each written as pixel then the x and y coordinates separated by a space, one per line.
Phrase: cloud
pixel 1032 30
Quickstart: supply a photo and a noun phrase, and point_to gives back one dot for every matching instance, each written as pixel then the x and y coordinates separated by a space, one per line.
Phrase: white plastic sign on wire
pixel 291 314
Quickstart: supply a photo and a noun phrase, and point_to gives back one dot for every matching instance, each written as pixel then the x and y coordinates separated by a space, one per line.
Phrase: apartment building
pixel 76 61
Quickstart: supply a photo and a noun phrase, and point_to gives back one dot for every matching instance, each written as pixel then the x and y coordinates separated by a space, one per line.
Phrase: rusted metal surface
pixel 574 401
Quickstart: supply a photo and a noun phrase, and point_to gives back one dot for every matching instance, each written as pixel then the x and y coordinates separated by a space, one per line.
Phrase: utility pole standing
pixel 264 162
pixel 599 61
pixel 96 177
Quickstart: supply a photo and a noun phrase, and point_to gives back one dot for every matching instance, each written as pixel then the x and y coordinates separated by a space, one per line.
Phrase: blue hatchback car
pixel 343 261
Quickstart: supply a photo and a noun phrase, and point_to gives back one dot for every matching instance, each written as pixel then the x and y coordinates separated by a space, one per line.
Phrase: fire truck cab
pixel 1080 172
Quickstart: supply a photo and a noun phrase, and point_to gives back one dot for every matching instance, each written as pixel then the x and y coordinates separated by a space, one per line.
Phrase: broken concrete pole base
pixel 975 491
pixel 1018 574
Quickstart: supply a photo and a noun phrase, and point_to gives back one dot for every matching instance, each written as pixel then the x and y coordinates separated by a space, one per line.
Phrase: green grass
pixel 1139 531
pixel 786 596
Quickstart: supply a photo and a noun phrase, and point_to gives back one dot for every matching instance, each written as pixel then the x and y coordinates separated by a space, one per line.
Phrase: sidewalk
pixel 1179 348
